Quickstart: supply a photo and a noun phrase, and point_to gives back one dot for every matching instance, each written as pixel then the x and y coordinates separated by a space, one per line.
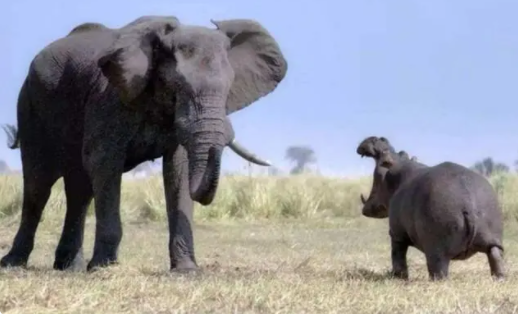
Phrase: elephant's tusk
pixel 247 155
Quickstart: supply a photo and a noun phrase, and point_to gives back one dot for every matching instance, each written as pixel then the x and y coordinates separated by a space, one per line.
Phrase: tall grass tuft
pixel 243 197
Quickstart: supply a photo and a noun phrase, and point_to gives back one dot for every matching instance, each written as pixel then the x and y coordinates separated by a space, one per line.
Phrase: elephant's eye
pixel 186 50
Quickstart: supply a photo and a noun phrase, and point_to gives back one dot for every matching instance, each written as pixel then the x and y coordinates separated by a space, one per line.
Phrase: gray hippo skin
pixel 447 211
pixel 100 101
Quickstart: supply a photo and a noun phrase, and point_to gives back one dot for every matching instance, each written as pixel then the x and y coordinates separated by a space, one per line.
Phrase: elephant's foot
pixel 13 260
pixel 185 266
pixel 399 274
pixel 105 253
pixel 100 262
pixel 70 262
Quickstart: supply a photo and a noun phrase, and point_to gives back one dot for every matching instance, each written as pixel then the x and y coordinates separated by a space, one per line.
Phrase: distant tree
pixel 488 167
pixel 302 156
pixel 4 168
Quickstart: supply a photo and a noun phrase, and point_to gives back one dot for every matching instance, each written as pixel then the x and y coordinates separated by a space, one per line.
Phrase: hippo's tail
pixel 471 227
pixel 12 136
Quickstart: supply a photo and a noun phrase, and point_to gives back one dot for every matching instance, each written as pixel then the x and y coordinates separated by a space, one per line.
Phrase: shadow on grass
pixel 20 272
pixel 213 270
pixel 365 274
pixel 247 272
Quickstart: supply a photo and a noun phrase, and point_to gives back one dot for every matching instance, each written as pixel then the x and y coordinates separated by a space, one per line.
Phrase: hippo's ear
pixel 386 160
pixel 403 154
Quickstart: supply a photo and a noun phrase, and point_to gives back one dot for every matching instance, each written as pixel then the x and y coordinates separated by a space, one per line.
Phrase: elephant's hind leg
pixel 69 253
pixel 37 185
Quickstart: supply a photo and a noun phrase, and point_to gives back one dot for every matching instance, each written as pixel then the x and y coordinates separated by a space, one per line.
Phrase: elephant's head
pixel 199 75
pixel 378 148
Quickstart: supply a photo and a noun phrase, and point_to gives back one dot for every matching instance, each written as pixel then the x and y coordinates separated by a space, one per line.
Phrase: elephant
pixel 446 211
pixel 99 101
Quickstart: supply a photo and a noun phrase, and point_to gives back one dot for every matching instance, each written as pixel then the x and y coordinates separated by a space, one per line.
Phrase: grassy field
pixel 266 245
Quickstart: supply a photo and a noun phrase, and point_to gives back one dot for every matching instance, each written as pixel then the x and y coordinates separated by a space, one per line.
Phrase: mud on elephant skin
pixel 446 211
pixel 100 101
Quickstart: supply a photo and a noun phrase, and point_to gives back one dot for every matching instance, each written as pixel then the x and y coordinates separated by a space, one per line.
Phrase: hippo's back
pixel 447 199
pixel 461 182
pixel 450 186
pixel 453 200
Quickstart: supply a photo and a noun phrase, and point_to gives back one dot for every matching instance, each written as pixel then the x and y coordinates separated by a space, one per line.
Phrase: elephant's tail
pixel 12 136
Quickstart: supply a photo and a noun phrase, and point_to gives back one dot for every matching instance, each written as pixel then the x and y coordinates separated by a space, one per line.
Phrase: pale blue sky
pixel 438 78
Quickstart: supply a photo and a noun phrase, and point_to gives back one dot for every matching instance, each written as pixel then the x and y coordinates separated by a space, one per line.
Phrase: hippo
pixel 446 211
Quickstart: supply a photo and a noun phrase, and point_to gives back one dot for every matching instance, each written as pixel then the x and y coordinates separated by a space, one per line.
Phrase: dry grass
pixel 267 245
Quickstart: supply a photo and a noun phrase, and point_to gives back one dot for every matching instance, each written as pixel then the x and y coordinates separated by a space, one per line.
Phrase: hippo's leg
pixel 438 265
pixel 399 264
pixel 496 263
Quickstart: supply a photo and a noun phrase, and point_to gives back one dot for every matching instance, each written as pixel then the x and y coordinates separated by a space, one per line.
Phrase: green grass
pixel 266 245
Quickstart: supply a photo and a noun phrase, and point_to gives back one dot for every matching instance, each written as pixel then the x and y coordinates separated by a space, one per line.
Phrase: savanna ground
pixel 266 245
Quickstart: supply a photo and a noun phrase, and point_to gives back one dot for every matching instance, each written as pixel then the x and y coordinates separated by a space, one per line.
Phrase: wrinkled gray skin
pixel 100 101
pixel 447 211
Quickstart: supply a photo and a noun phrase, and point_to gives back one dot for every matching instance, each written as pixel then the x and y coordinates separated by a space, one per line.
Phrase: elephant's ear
pixel 128 62
pixel 257 60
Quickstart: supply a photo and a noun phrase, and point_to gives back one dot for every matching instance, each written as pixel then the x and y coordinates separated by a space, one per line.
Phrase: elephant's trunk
pixel 204 176
pixel 204 136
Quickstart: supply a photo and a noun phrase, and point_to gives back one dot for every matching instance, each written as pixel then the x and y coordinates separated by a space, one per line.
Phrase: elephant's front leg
pixel 179 210
pixel 108 227
pixel 105 170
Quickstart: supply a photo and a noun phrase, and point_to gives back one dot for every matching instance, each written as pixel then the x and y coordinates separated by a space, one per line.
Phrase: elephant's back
pixel 61 81
pixel 70 62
